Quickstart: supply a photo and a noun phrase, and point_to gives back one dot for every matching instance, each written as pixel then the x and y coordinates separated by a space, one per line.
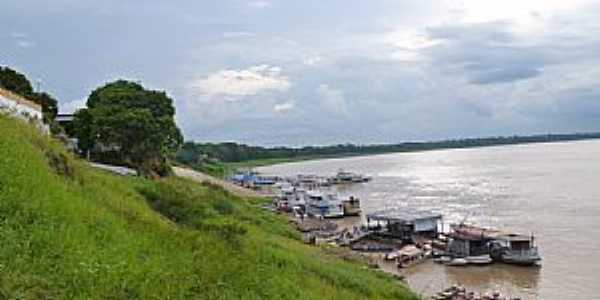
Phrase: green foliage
pixel 48 103
pixel 98 236
pixel 239 155
pixel 190 155
pixel 15 82
pixel 136 125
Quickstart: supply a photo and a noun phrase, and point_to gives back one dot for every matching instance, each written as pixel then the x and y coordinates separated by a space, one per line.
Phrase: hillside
pixel 71 232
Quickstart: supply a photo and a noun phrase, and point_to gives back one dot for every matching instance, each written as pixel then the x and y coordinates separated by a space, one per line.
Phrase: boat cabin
pixel 467 240
pixel 405 224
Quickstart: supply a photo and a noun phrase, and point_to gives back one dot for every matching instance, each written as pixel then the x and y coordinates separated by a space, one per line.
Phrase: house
pixel 20 107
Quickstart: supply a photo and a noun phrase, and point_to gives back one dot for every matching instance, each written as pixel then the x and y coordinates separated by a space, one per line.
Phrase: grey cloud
pixel 479 79
pixel 507 74
pixel 486 53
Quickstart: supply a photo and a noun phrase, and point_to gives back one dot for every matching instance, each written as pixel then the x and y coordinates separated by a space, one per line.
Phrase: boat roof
pixel 312 193
pixel 403 215
pixel 470 232
pixel 410 251
pixel 513 237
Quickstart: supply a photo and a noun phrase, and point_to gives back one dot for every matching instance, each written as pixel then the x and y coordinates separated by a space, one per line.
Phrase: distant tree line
pixel 194 153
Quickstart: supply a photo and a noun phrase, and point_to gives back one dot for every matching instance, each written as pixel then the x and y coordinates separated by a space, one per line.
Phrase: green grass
pixel 71 232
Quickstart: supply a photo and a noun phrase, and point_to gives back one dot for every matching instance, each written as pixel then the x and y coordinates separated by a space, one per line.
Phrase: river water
pixel 550 190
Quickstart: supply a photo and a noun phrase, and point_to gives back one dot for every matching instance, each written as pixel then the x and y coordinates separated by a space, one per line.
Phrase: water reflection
pixel 548 189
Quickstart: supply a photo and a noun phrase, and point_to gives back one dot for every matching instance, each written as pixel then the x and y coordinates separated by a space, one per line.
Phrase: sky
pixel 316 72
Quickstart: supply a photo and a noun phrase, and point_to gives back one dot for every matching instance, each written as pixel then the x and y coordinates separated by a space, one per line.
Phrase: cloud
pixel 19 35
pixel 240 83
pixel 237 34
pixel 332 99
pixel 25 44
pixel 506 74
pixel 284 107
pixel 312 60
pixel 259 4
pixel 486 53
pixel 71 107
pixel 22 40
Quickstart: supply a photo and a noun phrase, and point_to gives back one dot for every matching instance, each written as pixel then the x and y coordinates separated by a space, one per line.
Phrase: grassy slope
pixel 80 233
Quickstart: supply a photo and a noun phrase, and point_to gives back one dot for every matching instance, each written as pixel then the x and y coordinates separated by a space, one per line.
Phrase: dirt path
pixel 200 177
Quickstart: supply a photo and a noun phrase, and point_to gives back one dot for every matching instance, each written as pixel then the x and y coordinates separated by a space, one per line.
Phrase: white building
pixel 17 106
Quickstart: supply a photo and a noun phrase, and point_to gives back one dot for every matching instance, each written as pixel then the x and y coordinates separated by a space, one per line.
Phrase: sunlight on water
pixel 546 189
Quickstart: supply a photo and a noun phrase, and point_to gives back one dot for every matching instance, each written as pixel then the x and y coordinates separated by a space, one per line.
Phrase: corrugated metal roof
pixel 403 215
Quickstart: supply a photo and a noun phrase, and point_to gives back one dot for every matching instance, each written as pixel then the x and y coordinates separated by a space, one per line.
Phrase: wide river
pixel 550 190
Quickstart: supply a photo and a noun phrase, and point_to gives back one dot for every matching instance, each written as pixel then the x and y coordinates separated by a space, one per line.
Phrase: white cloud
pixel 19 35
pixel 312 60
pixel 284 107
pixel 259 4
pixel 71 107
pixel 25 43
pixel 22 40
pixel 237 34
pixel 333 99
pixel 234 84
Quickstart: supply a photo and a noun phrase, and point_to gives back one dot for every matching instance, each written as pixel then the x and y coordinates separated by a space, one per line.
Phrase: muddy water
pixel 551 190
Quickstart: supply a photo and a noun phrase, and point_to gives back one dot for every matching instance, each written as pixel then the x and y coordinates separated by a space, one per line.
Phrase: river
pixel 551 190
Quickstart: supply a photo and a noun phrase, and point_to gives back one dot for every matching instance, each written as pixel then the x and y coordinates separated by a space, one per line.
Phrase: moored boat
pixel 515 249
pixel 348 177
pixel 484 259
pixel 324 205
pixel 351 206
pixel 409 255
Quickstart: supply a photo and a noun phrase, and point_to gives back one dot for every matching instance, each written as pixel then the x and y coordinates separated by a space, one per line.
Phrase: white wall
pixel 19 110
pixel 14 107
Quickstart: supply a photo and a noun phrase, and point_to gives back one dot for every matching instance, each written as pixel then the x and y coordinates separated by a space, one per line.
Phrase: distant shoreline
pixel 249 164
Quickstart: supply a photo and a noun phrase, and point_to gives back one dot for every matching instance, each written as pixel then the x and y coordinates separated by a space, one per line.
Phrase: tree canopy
pixel 194 154
pixel 15 82
pixel 132 125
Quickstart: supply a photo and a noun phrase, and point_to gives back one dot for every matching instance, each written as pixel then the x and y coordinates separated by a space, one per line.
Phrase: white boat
pixel 410 255
pixel 515 249
pixel 290 197
pixel 352 207
pixel 322 204
pixel 348 177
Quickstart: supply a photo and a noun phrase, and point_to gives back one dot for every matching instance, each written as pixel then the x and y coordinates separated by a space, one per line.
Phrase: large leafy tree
pixel 48 103
pixel 19 84
pixel 135 124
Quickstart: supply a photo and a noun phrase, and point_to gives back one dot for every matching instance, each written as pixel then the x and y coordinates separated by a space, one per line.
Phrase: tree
pixel 48 103
pixel 135 124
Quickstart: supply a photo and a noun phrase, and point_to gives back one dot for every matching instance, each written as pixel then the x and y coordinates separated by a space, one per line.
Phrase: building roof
pixel 64 117
pixel 406 215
